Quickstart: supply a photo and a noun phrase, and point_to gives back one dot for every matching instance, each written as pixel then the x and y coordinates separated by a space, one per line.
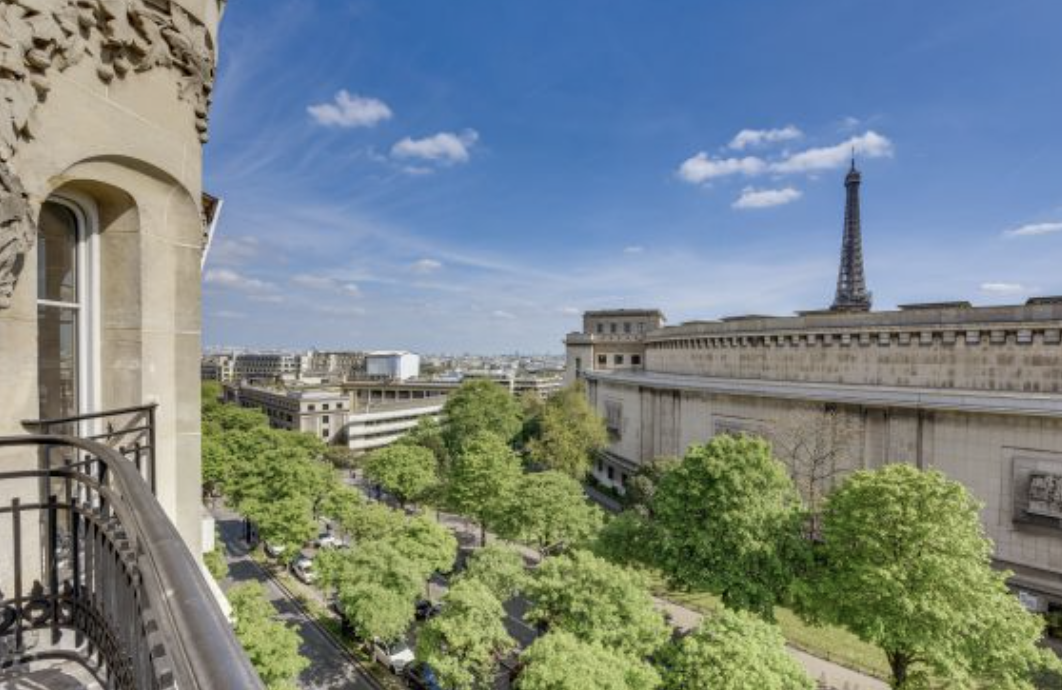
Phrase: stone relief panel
pixel 41 37
pixel 1038 491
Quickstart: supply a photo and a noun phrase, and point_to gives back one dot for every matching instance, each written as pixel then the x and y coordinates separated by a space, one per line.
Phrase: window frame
pixel 88 307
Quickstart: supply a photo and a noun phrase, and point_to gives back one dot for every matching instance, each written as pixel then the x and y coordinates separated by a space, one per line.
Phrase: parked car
pixel 275 550
pixel 328 540
pixel 426 609
pixel 420 676
pixel 394 656
pixel 302 568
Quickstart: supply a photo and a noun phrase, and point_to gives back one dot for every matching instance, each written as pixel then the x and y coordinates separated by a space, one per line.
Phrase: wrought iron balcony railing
pixel 92 571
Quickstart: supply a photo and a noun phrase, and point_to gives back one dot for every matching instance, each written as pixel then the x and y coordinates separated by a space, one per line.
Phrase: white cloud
pixel 571 311
pixel 339 310
pixel 226 314
pixel 350 110
pixel 444 147
pixel 868 145
pixel 759 137
pixel 765 198
pixel 425 266
pixel 325 283
pixel 1034 229
pixel 226 277
pixel 633 250
pixel 503 315
pixel 1003 288
pixel 702 168
pixel 234 250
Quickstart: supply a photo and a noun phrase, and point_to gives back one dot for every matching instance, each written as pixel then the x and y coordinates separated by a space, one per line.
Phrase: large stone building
pixel 103 112
pixel 973 391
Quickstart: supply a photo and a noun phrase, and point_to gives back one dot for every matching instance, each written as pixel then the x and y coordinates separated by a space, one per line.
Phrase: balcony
pixel 94 577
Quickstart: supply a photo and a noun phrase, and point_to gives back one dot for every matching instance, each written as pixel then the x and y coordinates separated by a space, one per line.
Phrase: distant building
pixel 221 368
pixel 392 365
pixel 610 340
pixel 334 366
pixel 385 423
pixel 975 392
pixel 365 395
pixel 320 412
pixel 267 367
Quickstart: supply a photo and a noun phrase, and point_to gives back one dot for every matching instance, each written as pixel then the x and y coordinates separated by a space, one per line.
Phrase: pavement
pixel 331 668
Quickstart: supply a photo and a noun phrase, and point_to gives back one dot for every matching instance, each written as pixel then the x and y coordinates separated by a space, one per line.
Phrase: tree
pixel 549 510
pixel 640 489
pixel 627 539
pixel 374 611
pixel 479 405
pixel 561 661
pixel 482 480
pixel 428 433
pixel 733 651
pixel 341 457
pixel 500 568
pixel 596 601
pixel 429 545
pixel 816 445
pixel 729 521
pixel 376 586
pixel 405 471
pixel 465 642
pixel 272 646
pixel 904 564
pixel 570 432
pixel 363 521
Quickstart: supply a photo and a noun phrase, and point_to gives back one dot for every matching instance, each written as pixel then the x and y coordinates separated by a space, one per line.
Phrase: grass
pixel 826 642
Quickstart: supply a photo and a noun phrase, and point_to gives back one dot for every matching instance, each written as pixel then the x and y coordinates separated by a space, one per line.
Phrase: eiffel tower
pixel 852 292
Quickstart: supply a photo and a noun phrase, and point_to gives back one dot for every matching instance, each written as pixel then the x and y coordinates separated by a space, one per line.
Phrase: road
pixel 330 668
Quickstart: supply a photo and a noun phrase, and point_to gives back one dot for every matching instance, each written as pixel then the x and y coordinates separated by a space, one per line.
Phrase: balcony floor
pixel 52 675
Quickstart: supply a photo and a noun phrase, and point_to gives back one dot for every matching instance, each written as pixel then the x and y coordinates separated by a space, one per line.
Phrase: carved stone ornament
pixel 41 37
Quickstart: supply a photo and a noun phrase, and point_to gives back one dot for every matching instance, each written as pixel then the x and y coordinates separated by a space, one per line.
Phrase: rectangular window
pixel 611 474
pixel 602 359
pixel 324 433
pixel 612 328
pixel 324 407
pixel 613 418
pixel 600 328
pixel 311 408
pixel 617 359
pixel 636 360
pixel 324 418
pixel 627 327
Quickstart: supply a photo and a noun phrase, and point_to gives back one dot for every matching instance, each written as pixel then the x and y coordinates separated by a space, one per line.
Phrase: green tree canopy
pixel 428 433
pixel 483 478
pixel 905 565
pixel 272 646
pixel 500 568
pixel 729 521
pixel 628 539
pixel 405 471
pixel 431 546
pixel 465 642
pixel 733 651
pixel 569 433
pixel 549 509
pixel 561 661
pixel 374 611
pixel 596 601
pixel 640 490
pixel 478 406
pixel 363 521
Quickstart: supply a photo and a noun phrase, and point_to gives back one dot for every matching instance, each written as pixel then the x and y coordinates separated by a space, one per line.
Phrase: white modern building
pixel 385 424
pixel 392 365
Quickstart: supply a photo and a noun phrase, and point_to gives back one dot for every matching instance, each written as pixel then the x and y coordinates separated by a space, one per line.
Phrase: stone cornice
pixel 985 402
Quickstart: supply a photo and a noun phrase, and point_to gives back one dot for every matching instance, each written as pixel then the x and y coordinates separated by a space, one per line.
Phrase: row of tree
pixel 897 555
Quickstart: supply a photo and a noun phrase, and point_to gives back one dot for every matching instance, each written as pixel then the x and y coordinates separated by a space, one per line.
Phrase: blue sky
pixel 469 176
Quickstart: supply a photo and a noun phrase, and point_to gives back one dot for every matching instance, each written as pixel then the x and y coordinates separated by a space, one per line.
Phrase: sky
pixel 469 176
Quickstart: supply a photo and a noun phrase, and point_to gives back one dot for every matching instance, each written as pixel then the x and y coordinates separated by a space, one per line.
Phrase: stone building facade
pixel 103 114
pixel 975 392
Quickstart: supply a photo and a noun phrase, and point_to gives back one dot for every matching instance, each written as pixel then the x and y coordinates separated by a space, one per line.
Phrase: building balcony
pixel 95 580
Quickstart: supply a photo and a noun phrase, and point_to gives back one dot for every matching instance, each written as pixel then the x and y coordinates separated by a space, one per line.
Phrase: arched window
pixel 66 310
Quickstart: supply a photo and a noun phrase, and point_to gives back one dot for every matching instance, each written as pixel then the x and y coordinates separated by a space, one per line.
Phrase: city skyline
pixel 416 194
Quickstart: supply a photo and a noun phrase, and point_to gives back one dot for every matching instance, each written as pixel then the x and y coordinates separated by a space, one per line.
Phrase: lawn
pixel 834 644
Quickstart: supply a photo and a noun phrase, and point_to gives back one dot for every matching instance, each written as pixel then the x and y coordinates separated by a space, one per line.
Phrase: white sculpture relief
pixel 39 37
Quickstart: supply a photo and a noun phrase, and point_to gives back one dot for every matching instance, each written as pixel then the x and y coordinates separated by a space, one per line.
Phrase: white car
pixel 275 550
pixel 328 540
pixel 395 656
pixel 302 568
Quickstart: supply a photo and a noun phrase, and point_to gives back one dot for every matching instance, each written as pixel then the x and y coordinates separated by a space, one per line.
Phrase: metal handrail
pixel 197 641
pixel 132 409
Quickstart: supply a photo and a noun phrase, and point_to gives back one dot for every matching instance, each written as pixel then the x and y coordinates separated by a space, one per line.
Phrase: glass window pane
pixel 57 361
pixel 57 254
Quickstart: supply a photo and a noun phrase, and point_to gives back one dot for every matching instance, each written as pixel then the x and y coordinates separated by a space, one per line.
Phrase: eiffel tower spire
pixel 852 292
